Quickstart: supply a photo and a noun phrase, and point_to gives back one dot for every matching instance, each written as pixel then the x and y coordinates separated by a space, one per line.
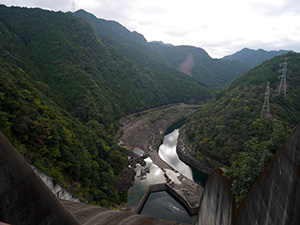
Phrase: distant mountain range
pixel 195 62
pixel 254 57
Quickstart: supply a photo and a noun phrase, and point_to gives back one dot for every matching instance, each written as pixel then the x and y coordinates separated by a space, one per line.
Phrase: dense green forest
pixel 214 73
pixel 231 130
pixel 62 89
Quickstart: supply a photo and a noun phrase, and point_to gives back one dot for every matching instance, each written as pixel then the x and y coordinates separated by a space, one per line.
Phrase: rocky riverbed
pixel 146 130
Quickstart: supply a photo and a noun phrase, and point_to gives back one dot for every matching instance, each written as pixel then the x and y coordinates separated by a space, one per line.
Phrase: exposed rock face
pixel 217 204
pixel 187 65
pixel 125 180
pixel 275 197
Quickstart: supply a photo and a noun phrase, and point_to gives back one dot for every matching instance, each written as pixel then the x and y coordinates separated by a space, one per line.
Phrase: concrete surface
pixel 24 197
pixel 275 196
pixel 217 205
pixel 92 215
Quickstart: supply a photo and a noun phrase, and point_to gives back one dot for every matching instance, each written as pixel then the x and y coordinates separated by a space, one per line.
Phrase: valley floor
pixel 145 130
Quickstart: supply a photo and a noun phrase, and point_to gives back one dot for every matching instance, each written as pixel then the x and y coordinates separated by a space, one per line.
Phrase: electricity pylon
pixel 282 78
pixel 265 111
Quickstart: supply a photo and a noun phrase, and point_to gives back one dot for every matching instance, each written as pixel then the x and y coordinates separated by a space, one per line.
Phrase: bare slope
pixel 187 65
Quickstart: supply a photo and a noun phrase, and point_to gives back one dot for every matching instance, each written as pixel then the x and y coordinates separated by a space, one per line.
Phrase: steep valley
pixel 62 90
pixel 78 94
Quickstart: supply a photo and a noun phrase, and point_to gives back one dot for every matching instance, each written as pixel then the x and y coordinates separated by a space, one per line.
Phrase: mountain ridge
pixel 254 57
pixel 212 72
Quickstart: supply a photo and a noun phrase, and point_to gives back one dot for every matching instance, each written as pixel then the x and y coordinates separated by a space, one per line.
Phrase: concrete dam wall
pixel 275 197
pixel 24 197
pixel 273 200
pixel 217 205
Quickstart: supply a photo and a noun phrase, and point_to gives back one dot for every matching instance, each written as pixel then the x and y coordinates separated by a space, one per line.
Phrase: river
pixel 161 204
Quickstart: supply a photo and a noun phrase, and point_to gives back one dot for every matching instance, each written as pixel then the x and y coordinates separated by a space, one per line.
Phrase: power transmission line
pixel 290 114
pixel 265 111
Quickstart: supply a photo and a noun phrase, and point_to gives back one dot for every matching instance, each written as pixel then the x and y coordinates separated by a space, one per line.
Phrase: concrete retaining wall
pixel 59 191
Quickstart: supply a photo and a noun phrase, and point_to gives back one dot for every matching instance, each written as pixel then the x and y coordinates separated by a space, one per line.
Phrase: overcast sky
pixel 220 27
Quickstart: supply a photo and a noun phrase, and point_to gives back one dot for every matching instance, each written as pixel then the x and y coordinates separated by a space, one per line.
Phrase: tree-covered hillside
pixel 69 55
pixel 62 89
pixel 233 130
pixel 164 58
pixel 81 156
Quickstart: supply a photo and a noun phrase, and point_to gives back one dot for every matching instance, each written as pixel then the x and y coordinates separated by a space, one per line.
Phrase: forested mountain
pixel 233 130
pixel 254 57
pixel 214 73
pixel 198 64
pixel 62 89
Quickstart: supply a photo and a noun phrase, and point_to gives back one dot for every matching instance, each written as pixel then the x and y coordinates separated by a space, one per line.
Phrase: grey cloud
pixel 176 33
pixel 153 10
pixel 289 6
pixel 191 31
